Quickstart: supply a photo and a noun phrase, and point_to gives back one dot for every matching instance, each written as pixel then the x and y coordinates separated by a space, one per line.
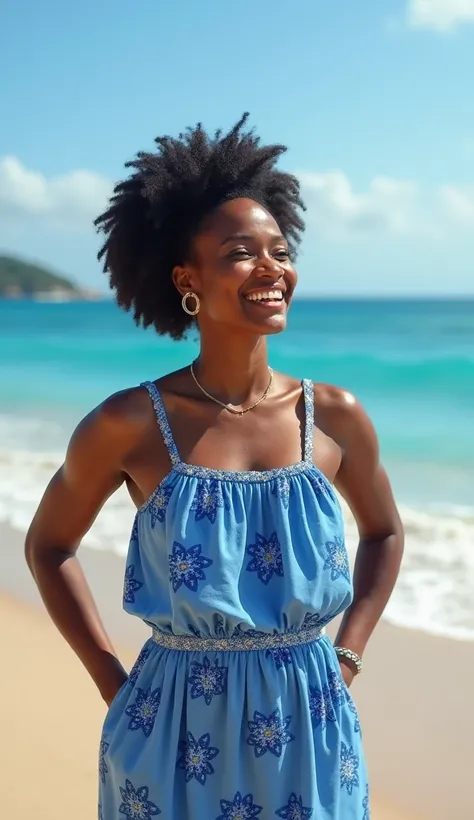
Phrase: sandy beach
pixel 411 700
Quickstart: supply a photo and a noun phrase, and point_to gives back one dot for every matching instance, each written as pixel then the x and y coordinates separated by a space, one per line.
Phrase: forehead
pixel 240 216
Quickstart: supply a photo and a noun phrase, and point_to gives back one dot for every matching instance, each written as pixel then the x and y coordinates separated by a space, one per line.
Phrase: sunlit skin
pixel 237 251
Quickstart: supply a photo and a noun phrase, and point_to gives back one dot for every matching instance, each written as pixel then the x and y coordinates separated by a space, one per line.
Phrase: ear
pixel 185 280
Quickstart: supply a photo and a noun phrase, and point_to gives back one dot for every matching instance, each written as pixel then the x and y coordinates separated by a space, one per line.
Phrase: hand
pixel 113 676
pixel 347 672
pixel 109 697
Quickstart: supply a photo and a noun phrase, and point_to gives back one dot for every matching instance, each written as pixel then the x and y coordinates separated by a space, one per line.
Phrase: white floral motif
pixel 337 560
pixel 207 500
pixel 295 810
pixel 136 805
pixel 269 734
pixel 337 688
pixel 131 585
pixel 187 566
pixel 195 758
pixel 366 804
pixel 266 557
pixel 207 679
pixel 240 808
pixel 349 765
pixel 321 706
pixel 159 504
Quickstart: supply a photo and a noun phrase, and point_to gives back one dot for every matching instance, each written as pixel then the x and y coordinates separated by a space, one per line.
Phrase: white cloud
pixel 387 206
pixel 440 15
pixel 459 203
pixel 68 202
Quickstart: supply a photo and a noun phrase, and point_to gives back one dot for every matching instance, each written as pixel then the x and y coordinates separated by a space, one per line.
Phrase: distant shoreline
pixel 55 295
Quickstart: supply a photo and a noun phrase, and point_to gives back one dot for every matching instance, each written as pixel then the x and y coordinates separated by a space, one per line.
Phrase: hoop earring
pixel 184 303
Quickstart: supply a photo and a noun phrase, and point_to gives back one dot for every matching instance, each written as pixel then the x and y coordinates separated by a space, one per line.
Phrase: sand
pixel 414 700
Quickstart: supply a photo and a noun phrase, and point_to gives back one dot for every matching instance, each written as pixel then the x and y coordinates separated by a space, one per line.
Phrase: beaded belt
pixel 243 642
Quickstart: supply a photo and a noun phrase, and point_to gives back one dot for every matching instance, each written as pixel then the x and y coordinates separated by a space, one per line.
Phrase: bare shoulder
pixel 114 428
pixel 341 415
pixel 121 413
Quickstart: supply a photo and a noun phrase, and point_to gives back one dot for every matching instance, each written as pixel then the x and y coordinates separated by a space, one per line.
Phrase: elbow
pixel 30 551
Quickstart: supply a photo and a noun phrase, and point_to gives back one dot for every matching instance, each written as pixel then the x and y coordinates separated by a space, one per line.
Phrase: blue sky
pixel 373 99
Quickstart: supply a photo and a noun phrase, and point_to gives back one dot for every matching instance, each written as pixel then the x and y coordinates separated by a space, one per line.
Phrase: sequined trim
pixel 163 422
pixel 308 392
pixel 245 476
pixel 238 643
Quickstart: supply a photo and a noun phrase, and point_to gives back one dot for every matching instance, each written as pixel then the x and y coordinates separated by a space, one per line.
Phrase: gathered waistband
pixel 244 642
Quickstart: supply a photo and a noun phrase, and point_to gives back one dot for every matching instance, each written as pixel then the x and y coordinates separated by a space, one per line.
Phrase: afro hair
pixel 154 214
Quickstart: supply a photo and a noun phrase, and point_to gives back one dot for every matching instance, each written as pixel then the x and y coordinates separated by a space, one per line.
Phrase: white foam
pixel 435 587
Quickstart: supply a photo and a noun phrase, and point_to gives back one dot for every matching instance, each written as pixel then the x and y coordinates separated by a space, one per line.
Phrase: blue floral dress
pixel 235 707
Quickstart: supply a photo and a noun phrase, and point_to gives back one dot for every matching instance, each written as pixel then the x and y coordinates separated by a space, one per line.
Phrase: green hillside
pixel 17 276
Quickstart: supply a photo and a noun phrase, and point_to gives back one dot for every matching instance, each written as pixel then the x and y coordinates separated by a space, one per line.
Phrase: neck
pixel 233 370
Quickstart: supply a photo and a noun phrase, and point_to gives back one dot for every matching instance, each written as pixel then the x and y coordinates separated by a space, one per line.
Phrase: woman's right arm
pixel 92 471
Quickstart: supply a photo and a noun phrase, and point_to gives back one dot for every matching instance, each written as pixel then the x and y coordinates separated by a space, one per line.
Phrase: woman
pixel 238 705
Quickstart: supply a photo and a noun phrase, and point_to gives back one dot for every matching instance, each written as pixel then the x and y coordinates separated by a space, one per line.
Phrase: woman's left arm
pixel 364 484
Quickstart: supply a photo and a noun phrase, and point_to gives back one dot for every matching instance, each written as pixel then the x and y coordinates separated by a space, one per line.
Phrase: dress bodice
pixel 214 553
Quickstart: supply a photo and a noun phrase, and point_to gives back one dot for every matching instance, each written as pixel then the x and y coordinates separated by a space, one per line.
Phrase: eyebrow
pixel 245 236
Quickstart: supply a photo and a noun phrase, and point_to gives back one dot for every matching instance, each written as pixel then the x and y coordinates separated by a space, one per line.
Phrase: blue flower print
pixel 143 712
pixel 281 488
pixel 319 485
pixel 207 680
pixel 349 766
pixel 269 734
pixel 337 689
pixel 131 585
pixel 207 500
pixel 294 810
pixel 313 620
pixel 240 808
pixel 266 560
pixel 186 566
pixel 195 757
pixel 337 560
pixel 159 504
pixel 134 533
pixel 281 656
pixel 139 664
pixel 353 709
pixel 320 706
pixel 103 768
pixel 366 804
pixel 136 805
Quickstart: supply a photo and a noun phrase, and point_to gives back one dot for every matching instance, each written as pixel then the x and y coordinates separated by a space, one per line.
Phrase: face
pixel 240 269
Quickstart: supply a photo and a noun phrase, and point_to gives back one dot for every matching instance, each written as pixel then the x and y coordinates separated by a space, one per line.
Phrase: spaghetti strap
pixel 163 422
pixel 308 392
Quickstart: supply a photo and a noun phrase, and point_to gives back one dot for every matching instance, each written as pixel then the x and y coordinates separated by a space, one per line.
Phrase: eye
pixel 239 253
pixel 281 253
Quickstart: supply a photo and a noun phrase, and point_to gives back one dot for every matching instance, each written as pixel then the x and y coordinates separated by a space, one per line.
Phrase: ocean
pixel 410 362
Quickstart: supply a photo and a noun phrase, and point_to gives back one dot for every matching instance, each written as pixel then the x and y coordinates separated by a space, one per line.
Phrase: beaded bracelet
pixel 350 656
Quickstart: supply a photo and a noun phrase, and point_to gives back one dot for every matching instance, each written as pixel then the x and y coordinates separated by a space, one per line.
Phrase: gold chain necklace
pixel 229 406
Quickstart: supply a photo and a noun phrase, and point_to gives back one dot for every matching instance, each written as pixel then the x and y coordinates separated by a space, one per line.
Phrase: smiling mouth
pixel 270 298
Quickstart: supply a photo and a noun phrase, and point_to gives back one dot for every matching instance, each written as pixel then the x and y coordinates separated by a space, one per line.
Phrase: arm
pixel 363 483
pixel 92 471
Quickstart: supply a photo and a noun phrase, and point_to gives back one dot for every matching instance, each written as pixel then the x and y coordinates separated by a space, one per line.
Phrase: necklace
pixel 229 406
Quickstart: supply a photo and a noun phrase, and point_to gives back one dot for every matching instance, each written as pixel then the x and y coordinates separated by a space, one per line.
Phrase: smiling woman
pixel 238 705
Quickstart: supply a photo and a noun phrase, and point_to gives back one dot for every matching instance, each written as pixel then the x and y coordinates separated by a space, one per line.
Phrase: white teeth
pixel 264 294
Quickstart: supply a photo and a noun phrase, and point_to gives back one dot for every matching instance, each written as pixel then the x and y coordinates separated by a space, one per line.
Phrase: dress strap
pixel 162 420
pixel 308 392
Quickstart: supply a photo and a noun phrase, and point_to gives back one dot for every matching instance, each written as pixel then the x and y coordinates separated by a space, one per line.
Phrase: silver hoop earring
pixel 184 303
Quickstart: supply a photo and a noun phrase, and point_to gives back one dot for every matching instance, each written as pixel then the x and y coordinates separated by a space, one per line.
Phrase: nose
pixel 268 266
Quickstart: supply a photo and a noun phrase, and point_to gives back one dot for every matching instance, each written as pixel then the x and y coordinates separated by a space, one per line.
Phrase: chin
pixel 271 326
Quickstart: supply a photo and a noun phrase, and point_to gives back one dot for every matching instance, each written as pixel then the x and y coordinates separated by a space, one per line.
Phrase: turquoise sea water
pixel 410 362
